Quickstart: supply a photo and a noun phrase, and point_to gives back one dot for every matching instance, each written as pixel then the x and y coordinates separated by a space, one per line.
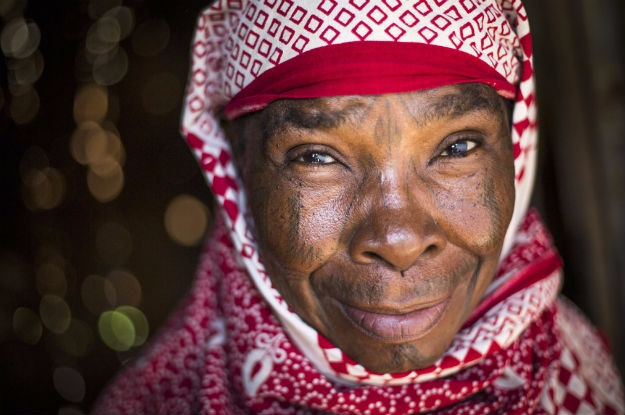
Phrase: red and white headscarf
pixel 236 347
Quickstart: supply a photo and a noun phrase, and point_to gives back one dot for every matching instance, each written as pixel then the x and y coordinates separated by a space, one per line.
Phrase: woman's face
pixel 380 219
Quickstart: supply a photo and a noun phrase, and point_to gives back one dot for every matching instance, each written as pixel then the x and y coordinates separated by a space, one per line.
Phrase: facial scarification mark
pixel 294 216
pixel 386 131
pixel 297 248
pixel 355 197
pixel 490 202
pixel 369 103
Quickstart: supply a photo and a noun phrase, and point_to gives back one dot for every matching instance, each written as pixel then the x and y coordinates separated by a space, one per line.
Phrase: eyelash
pixel 312 157
pixel 315 158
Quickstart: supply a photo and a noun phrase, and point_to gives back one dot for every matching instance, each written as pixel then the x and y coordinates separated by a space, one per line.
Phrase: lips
pixel 400 327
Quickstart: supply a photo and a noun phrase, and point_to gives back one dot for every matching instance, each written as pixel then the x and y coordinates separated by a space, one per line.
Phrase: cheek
pixel 298 228
pixel 476 209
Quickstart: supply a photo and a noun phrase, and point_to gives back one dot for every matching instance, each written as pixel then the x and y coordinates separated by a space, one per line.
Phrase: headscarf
pixel 248 54
pixel 236 346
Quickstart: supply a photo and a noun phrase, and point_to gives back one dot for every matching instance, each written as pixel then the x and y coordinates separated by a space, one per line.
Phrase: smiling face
pixel 380 219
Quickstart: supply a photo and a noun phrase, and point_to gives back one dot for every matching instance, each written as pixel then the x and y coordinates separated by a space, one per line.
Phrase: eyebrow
pixel 310 114
pixel 328 113
pixel 469 98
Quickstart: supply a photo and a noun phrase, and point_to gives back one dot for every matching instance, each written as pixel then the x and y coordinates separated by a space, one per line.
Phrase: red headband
pixel 365 68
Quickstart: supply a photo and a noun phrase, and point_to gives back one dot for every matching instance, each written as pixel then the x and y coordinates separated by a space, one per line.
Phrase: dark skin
pixel 380 219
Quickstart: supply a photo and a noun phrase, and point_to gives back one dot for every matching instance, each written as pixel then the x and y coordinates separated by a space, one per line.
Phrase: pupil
pixel 459 148
pixel 316 158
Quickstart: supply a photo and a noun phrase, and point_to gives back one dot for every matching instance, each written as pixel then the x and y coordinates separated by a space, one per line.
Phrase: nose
pixel 396 227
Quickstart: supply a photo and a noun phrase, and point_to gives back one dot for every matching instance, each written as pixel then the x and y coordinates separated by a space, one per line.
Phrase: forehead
pixel 424 106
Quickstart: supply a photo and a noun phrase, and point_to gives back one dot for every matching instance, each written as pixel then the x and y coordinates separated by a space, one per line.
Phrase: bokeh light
pixel 90 103
pixel 116 330
pixel 123 328
pixel 20 38
pixel 99 147
pixel 106 187
pixel 80 139
pixel 51 279
pixel 113 243
pixel 186 220
pixel 88 143
pixel 55 314
pixel 150 37
pixel 27 325
pixel 123 20
pixel 103 36
pixel 162 93
pixel 139 323
pixel 96 293
pixel 43 189
pixel 105 167
pixel 111 67
pixel 96 147
pixel 77 340
pixel 127 287
pixel 69 383
pixel 67 75
pixel 114 148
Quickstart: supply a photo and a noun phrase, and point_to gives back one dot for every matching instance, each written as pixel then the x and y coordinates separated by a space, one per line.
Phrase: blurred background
pixel 104 210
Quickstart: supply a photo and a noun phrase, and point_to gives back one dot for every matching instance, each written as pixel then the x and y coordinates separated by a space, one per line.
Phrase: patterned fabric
pixel 235 347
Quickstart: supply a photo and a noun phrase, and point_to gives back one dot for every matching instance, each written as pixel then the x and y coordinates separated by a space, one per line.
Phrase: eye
pixel 315 158
pixel 459 148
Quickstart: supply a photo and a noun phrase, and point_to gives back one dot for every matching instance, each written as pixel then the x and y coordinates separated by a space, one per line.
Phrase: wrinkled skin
pixel 380 219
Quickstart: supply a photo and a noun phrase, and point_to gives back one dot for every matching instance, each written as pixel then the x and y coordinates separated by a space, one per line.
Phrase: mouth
pixel 397 327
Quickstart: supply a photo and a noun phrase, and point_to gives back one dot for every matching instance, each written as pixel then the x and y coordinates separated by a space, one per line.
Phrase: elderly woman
pixel 373 161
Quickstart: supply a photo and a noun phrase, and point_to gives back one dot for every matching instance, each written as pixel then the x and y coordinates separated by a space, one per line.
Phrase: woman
pixel 374 162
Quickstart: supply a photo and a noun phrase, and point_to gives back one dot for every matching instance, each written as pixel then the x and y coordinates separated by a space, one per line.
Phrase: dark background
pixel 68 237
